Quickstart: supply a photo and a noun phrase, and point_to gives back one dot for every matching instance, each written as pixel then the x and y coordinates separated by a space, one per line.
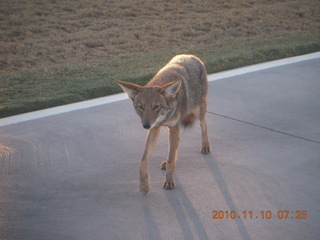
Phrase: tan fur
pixel 175 95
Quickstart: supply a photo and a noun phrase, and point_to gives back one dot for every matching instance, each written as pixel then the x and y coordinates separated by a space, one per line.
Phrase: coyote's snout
pixel 175 96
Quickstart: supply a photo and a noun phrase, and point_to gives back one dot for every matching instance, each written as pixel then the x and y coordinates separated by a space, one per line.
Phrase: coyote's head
pixel 155 104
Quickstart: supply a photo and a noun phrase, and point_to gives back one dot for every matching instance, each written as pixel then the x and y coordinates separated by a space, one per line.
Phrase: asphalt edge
pixel 122 96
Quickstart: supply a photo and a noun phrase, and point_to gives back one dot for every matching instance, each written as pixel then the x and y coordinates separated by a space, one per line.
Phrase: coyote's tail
pixel 188 121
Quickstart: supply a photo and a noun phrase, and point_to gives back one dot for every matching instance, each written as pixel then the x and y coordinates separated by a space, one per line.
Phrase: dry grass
pixel 54 52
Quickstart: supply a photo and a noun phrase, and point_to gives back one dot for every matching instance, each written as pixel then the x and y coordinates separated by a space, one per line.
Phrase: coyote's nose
pixel 146 125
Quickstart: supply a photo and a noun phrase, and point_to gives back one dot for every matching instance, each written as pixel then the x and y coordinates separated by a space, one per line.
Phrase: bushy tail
pixel 188 121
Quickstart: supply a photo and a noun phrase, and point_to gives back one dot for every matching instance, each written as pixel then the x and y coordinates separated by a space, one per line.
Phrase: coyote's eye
pixel 156 107
pixel 140 107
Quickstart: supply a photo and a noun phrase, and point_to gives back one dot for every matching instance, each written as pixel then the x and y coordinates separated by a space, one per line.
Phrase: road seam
pixel 266 128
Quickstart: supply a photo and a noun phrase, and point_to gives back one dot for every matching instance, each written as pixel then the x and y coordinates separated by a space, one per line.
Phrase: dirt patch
pixel 38 35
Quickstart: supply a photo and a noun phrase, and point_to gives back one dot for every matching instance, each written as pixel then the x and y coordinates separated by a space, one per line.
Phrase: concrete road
pixel 75 175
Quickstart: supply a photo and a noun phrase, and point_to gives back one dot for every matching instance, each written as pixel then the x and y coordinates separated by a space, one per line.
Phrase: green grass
pixel 27 91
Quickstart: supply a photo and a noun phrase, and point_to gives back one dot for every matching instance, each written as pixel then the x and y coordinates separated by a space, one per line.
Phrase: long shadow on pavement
pixel 213 166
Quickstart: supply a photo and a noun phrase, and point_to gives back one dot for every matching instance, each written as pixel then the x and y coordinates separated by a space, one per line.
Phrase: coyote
pixel 175 96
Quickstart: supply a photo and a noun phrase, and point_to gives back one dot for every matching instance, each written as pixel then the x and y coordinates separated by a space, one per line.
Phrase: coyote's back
pixel 193 74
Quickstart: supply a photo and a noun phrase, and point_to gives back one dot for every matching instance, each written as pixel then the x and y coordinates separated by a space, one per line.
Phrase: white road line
pixel 121 96
pixel 261 66
pixel 61 109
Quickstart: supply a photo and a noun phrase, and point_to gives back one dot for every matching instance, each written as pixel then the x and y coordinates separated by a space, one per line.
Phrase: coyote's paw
pixel 144 189
pixel 144 186
pixel 163 165
pixel 205 149
pixel 169 185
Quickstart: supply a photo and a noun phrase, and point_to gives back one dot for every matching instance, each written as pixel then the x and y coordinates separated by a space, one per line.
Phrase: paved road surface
pixel 75 175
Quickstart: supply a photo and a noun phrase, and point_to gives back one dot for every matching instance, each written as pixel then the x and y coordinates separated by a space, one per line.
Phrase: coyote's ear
pixel 171 89
pixel 130 89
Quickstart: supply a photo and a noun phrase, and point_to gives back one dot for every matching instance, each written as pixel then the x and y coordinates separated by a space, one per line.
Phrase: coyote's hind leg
pixel 205 148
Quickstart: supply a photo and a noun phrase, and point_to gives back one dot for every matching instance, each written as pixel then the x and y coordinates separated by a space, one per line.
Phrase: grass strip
pixel 73 82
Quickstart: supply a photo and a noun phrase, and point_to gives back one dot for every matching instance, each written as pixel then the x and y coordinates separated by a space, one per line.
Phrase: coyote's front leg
pixel 171 161
pixel 152 139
